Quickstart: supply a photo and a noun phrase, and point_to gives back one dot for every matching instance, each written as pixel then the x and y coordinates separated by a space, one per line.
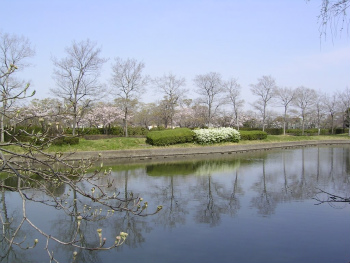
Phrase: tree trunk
pixel 126 128
pixel 302 126
pixel 348 120
pixel 74 124
pixel 332 118
pixel 2 128
pixel 2 120
pixel 284 121
pixel 264 117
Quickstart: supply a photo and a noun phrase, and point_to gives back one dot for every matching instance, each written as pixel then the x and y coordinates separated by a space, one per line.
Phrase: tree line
pixel 79 97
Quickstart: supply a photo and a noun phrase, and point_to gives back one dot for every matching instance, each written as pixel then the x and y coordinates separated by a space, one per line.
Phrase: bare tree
pixel 14 52
pixel 264 89
pixel 285 96
pixel 128 83
pixel 145 115
pixel 331 104
pixel 210 88
pixel 319 107
pixel 304 100
pixel 233 90
pixel 77 75
pixel 171 87
pixel 344 98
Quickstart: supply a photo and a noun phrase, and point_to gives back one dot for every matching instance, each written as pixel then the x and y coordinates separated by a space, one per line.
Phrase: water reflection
pixel 232 199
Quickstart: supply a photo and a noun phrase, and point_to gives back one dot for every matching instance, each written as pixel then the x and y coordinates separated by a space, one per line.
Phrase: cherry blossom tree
pixel 183 117
pixel 103 114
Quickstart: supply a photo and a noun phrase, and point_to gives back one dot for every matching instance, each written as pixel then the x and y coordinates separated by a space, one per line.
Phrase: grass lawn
pixel 121 143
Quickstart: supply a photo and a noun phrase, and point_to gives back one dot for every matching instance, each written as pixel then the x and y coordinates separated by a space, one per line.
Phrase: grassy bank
pixel 121 143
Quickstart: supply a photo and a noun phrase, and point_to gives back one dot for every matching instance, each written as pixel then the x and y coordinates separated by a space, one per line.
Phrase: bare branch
pixel 77 75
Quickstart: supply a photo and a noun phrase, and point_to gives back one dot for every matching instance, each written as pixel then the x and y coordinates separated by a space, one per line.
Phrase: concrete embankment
pixel 125 156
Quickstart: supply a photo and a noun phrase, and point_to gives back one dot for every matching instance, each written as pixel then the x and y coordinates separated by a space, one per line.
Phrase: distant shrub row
pixel 116 130
pixel 66 141
pixel 41 140
pixel 169 137
pixel 307 132
pixel 253 135
pixel 298 132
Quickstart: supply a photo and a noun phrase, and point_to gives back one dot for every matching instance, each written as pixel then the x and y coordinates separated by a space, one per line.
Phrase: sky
pixel 238 39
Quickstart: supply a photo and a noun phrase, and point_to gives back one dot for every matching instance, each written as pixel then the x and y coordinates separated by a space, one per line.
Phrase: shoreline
pixel 130 156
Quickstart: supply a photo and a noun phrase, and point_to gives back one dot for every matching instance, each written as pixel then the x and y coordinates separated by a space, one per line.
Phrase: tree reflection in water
pixel 215 195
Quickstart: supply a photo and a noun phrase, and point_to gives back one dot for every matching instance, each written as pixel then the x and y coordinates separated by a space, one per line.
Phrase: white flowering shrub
pixel 215 135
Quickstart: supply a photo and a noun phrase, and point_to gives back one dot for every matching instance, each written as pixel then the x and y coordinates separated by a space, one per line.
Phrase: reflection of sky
pixel 260 211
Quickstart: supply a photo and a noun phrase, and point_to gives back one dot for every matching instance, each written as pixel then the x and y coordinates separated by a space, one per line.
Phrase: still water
pixel 257 207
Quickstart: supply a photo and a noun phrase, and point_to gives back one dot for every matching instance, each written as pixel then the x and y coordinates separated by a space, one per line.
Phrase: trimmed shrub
pixel 215 135
pixel 158 128
pixel 249 129
pixel 296 132
pixel 274 131
pixel 340 131
pixel 253 135
pixel 116 130
pixel 29 129
pixel 136 131
pixel 325 132
pixel 41 140
pixel 84 131
pixel 168 137
pixel 90 131
pixel 66 141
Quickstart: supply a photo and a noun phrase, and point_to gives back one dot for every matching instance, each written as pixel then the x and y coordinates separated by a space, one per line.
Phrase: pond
pixel 255 207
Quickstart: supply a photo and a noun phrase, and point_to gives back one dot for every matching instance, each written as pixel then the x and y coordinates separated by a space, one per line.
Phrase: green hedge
pixel 42 140
pixel 158 128
pixel 339 131
pixel 274 131
pixel 307 132
pixel 116 130
pixel 66 141
pixel 85 131
pixel 168 137
pixel 252 135
pixel 135 131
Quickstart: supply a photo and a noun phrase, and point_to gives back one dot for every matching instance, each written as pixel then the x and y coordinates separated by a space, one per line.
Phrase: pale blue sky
pixel 242 39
